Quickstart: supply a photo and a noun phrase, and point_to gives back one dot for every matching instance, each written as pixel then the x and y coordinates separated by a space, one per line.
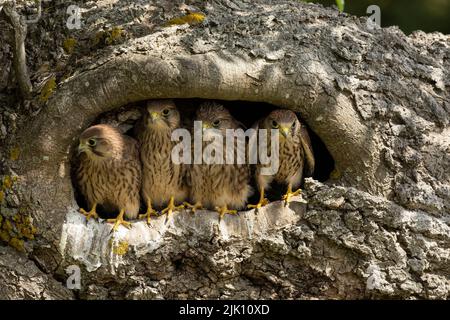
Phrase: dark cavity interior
pixel 245 112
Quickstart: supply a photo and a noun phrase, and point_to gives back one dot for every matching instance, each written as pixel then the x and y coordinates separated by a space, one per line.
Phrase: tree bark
pixel 379 100
pixel 20 32
pixel 20 278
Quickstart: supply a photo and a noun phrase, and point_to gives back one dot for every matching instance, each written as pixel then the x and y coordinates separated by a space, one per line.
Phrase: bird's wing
pixel 132 145
pixel 308 150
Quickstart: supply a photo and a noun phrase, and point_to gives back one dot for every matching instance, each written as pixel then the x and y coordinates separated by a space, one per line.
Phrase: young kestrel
pixel 296 157
pixel 109 173
pixel 219 186
pixel 162 179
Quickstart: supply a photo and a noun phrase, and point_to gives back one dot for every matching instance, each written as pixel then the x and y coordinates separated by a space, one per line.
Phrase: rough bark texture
pixel 20 278
pixel 19 56
pixel 379 100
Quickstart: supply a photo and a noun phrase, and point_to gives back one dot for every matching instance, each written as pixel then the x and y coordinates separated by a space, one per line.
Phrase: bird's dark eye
pixel 275 124
pixel 216 123
pixel 165 112
pixel 92 142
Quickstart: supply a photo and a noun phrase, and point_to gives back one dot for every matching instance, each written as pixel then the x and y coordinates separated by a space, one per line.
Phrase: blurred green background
pixel 409 15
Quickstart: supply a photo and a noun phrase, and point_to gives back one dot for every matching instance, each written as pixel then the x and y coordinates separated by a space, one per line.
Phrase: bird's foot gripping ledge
pixel 92 243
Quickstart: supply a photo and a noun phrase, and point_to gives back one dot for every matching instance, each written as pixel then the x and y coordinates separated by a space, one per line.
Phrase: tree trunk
pixel 379 101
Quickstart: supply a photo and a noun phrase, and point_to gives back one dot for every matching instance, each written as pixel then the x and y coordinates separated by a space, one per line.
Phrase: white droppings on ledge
pixel 62 170
pixel 94 245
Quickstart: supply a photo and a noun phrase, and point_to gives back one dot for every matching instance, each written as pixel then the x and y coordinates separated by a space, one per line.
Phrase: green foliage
pixel 340 4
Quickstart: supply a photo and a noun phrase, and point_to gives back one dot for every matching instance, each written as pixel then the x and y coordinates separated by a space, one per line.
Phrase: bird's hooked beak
pixel 154 116
pixel 82 147
pixel 206 125
pixel 285 131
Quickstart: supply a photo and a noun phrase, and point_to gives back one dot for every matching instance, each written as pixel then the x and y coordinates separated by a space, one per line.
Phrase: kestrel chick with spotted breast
pixel 219 186
pixel 109 173
pixel 162 179
pixel 296 158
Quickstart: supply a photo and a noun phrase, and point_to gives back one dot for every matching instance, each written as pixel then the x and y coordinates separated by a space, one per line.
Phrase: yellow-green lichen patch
pixel 69 45
pixel 335 174
pixel 5 230
pixel 48 89
pixel 24 226
pixel 108 37
pixel 17 244
pixel 7 183
pixel 17 229
pixel 4 236
pixel 114 35
pixel 120 248
pixel 192 18
pixel 14 153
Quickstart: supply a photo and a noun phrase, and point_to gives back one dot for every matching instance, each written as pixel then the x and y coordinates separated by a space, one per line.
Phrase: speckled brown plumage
pixel 219 186
pixel 162 181
pixel 109 171
pixel 296 158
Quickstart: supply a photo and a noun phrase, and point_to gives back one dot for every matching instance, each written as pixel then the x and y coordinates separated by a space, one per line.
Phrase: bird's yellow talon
pixel 171 207
pixel 119 221
pixel 261 203
pixel 289 194
pixel 193 207
pixel 224 210
pixel 91 214
pixel 150 212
